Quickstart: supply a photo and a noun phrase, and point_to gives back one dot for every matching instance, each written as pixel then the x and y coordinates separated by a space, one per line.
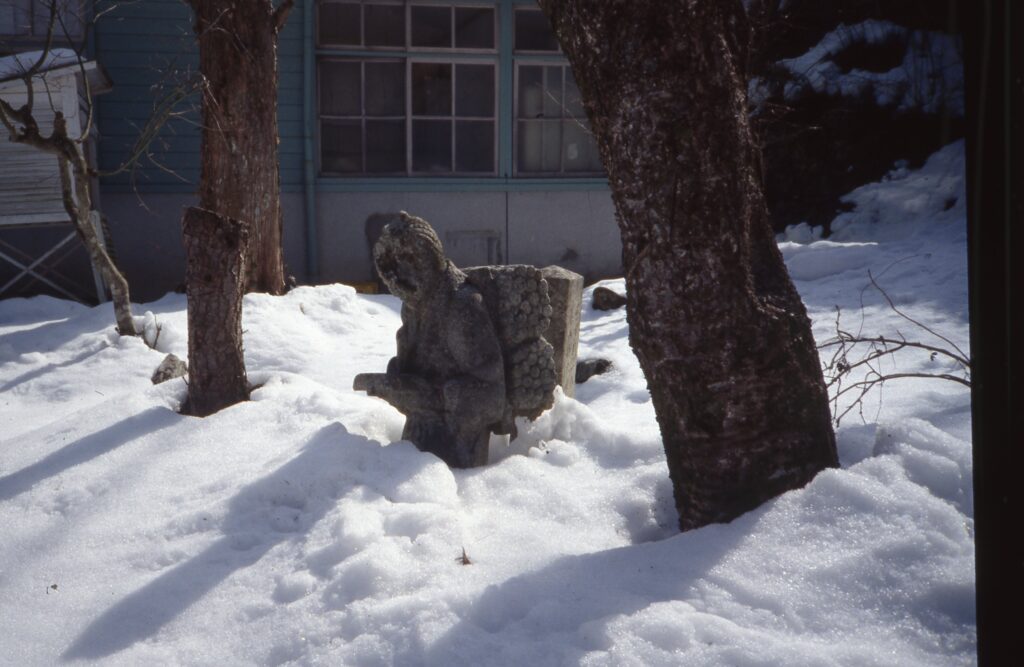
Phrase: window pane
pixel 474 28
pixel 431 89
pixel 385 88
pixel 341 146
pixel 385 146
pixel 432 27
pixel 432 145
pixel 340 93
pixel 531 92
pixel 14 17
pixel 385 25
pixel 533 32
pixel 339 23
pixel 474 145
pixel 539 146
pixel 580 150
pixel 553 92
pixel 474 90
pixel 573 101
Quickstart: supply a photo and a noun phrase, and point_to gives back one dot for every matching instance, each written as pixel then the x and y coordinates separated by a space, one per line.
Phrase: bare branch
pixel 164 110
pixel 47 45
pixel 281 14
pixel 910 319
pixel 841 365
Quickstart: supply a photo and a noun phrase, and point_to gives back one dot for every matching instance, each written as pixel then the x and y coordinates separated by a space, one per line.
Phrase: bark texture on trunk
pixel 720 332
pixel 214 271
pixel 240 177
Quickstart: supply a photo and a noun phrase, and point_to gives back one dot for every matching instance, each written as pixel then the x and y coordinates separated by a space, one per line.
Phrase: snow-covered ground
pixel 297 529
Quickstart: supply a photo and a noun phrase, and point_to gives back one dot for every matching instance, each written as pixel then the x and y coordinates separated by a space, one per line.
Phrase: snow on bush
pixel 929 78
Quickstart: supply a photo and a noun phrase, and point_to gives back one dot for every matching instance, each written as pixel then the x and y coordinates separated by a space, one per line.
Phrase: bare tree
pixel 75 172
pixel 233 239
pixel 240 177
pixel 65 22
pixel 720 332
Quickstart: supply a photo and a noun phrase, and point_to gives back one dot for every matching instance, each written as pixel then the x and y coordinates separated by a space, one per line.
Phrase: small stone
pixel 606 299
pixel 171 367
pixel 588 368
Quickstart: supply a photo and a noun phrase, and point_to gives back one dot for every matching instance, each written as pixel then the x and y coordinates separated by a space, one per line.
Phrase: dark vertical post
pixel 994 63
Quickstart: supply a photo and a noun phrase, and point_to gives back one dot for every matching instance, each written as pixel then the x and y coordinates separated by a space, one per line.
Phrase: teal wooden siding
pixel 142 45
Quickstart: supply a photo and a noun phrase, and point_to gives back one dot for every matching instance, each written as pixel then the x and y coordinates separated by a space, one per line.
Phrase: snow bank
pixel 298 528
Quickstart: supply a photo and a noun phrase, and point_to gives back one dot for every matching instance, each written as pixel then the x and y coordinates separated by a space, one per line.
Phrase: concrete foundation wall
pixel 573 229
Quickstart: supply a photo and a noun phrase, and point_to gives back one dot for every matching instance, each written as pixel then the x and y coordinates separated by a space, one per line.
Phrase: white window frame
pixel 430 59
pixel 562 172
pixel 407 46
pixel 362 117
pixel 409 117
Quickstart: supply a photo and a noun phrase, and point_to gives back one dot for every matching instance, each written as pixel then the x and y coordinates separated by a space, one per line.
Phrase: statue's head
pixel 409 257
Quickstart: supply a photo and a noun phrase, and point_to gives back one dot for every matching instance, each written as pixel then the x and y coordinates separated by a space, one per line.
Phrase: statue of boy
pixel 448 377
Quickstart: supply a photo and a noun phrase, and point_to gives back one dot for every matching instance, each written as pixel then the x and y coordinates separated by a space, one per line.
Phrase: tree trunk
pixel 240 177
pixel 78 204
pixel 720 332
pixel 214 274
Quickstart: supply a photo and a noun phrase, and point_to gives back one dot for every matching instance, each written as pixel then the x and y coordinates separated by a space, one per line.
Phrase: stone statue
pixel 471 356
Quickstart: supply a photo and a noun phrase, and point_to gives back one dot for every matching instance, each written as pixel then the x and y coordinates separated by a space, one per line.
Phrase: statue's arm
pixel 407 392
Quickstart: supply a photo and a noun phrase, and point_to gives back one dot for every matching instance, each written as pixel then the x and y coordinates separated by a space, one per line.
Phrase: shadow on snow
pixel 245 540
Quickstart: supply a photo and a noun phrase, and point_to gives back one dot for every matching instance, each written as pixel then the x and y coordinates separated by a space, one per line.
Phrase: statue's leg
pixel 430 434
pixel 471 448
pixel 472 407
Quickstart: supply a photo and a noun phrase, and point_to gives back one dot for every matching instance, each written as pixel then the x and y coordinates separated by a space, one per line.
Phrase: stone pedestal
pixel 565 289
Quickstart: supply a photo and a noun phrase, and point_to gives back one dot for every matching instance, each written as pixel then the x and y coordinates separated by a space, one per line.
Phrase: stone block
pixel 565 290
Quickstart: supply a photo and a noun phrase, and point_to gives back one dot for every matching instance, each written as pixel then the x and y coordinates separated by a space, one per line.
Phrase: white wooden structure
pixel 30 187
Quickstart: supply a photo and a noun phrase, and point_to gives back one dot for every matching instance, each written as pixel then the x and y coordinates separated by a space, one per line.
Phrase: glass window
pixel 474 28
pixel 385 88
pixel 365 129
pixel 385 146
pixel 474 146
pixel 341 146
pixel 339 23
pixel 432 146
pixel 552 133
pixel 384 25
pixel 539 145
pixel 431 89
pixel 340 88
pixel 464 141
pixel 368 23
pixel 533 32
pixel 422 112
pixel 474 90
pixel 431 26
pixel 362 116
pixel 579 147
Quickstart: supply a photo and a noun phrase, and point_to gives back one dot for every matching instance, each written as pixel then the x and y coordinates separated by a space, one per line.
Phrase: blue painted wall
pixel 146 47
